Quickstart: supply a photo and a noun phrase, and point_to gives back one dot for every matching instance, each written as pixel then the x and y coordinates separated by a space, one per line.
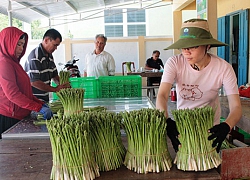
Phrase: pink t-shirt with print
pixel 200 88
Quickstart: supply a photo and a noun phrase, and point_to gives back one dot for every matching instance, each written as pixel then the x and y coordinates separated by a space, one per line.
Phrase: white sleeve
pixel 111 66
pixel 85 63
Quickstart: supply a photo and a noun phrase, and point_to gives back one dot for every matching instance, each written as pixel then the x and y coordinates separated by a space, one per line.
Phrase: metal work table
pixel 27 129
pixel 25 150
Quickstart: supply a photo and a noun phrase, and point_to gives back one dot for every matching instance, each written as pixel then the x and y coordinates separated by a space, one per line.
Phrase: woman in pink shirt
pixel 198 76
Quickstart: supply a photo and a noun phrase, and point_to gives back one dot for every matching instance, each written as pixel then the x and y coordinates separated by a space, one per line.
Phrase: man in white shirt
pixel 99 62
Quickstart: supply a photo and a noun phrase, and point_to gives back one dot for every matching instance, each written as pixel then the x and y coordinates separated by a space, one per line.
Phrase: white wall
pixel 188 14
pixel 159 21
pixel 122 49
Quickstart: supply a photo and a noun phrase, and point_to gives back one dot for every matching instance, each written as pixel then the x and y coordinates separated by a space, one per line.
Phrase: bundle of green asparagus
pixel 71 148
pixel 196 152
pixel 128 66
pixel 64 77
pixel 72 100
pixel 109 151
pixel 147 143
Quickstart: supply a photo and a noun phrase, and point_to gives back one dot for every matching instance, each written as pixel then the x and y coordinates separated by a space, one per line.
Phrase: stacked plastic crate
pixel 107 86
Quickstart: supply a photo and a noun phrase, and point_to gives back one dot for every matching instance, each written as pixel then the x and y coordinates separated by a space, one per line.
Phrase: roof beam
pixel 72 6
pixel 34 9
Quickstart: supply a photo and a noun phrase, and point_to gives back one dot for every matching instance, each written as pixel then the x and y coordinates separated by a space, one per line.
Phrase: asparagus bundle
pixel 71 148
pixel 196 152
pixel 109 151
pixel 72 100
pixel 56 106
pixel 128 65
pixel 64 77
pixel 147 143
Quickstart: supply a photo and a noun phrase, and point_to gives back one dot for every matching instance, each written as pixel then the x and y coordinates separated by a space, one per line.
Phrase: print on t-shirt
pixel 190 92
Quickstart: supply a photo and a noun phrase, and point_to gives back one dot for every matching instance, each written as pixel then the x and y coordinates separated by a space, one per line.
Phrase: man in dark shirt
pixel 154 63
pixel 41 68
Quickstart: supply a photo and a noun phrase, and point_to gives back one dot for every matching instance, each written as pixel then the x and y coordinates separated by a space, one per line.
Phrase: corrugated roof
pixel 29 10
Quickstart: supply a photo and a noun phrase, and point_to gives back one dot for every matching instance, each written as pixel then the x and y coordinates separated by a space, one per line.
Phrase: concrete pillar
pixel 10 13
pixel 177 21
pixel 212 20
pixel 68 49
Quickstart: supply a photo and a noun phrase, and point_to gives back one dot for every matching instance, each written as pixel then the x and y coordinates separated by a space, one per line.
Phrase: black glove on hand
pixel 173 133
pixel 219 132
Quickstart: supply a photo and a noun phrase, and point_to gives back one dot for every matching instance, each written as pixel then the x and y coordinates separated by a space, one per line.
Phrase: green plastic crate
pixel 119 86
pixel 87 83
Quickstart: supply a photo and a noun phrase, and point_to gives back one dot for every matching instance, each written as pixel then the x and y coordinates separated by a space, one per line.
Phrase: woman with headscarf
pixel 16 97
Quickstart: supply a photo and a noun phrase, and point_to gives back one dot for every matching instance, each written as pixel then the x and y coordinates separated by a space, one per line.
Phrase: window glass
pixel 113 16
pixel 135 15
pixel 114 31
pixel 136 30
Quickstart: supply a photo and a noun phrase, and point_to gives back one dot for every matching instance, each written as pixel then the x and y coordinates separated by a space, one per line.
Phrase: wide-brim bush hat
pixel 195 32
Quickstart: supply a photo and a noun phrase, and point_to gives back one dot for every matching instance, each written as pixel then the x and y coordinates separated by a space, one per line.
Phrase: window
pixel 136 30
pixel 113 16
pixel 135 15
pixel 125 22
pixel 114 31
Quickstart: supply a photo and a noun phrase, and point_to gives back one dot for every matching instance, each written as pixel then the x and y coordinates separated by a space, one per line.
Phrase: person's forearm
pixel 43 87
pixel 148 68
pixel 162 97
pixel 234 117
pixel 235 111
pixel 161 103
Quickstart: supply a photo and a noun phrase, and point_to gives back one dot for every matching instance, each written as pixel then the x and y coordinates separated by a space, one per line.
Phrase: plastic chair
pixel 125 63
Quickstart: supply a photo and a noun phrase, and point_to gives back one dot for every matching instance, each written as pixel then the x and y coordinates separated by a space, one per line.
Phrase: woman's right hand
pixel 46 112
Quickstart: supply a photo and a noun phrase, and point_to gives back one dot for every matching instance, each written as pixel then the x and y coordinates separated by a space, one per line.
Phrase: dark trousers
pixel 6 123
pixel 151 81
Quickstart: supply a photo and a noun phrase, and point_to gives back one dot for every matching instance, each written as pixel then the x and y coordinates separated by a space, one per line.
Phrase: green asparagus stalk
pixel 72 100
pixel 71 148
pixel 147 143
pixel 196 152
pixel 128 65
pixel 108 149
pixel 64 77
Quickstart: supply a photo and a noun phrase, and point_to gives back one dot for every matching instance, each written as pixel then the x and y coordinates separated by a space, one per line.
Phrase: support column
pixel 68 49
pixel 9 13
pixel 212 20
pixel 177 21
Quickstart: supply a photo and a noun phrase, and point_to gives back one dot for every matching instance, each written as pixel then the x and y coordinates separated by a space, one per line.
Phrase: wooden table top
pixel 31 159
pixel 146 74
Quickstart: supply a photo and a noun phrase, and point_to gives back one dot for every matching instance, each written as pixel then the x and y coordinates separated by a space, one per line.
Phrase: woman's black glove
pixel 219 132
pixel 173 133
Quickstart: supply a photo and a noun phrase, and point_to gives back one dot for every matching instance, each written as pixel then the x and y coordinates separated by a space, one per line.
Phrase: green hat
pixel 195 32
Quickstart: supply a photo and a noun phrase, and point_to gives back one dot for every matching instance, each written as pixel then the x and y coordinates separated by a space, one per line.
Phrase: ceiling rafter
pixel 30 10
pixel 34 9
pixel 72 6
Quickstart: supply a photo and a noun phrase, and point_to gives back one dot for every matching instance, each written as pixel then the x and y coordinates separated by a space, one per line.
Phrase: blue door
pixel 243 48
pixel 223 35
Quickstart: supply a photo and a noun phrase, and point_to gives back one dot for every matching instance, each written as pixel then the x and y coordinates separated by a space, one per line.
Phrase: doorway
pixel 234 45
pixel 233 30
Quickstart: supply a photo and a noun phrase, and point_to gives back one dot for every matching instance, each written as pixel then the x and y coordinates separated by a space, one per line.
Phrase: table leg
pixel 151 96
